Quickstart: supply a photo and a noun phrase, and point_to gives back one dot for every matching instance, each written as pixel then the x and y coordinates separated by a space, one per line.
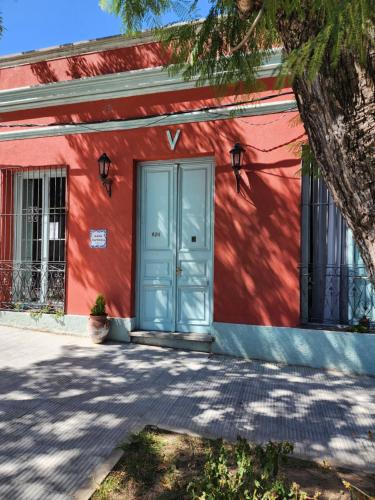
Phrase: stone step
pixel 186 341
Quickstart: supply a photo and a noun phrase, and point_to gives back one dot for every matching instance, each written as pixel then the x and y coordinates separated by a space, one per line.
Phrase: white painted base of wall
pixel 344 351
pixel 335 350
pixel 69 324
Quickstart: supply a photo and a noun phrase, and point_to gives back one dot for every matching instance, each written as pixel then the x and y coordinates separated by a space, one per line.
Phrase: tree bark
pixel 338 112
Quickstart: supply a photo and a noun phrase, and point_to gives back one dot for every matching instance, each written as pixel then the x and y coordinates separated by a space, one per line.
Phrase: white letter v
pixel 173 142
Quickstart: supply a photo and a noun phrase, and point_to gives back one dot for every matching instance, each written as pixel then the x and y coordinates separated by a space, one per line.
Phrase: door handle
pixel 178 271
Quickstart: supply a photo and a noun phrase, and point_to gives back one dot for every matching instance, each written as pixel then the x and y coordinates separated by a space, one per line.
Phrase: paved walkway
pixel 65 404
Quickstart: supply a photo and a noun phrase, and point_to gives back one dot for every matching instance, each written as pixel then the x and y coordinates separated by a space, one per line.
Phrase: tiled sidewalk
pixel 65 404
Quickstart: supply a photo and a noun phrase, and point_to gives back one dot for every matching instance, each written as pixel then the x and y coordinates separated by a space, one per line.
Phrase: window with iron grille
pixel 32 229
pixel 335 288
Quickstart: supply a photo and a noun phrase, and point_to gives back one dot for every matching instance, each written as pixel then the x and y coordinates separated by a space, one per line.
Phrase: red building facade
pixel 62 108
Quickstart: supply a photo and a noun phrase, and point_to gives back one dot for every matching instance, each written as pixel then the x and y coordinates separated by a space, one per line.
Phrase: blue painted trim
pixel 69 324
pixel 144 122
pixel 343 351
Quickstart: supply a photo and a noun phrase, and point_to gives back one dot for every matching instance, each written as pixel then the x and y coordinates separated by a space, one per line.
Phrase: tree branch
pixel 249 32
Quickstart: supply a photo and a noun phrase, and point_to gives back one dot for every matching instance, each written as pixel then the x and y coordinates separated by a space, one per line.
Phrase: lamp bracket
pixel 107 183
pixel 238 179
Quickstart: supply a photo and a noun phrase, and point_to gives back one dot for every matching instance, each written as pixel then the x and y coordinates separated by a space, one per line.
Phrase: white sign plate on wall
pixel 98 238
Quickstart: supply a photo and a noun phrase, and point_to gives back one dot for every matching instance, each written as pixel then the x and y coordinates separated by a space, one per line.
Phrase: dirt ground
pixel 158 465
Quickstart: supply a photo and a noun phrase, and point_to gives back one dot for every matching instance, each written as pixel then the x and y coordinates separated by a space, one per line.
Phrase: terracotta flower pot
pixel 98 328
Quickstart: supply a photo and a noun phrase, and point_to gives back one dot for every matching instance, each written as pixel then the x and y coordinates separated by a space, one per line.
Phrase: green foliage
pixel 137 14
pixel 251 473
pixel 47 309
pixel 98 308
pixel 324 29
pixel 358 329
pixel 137 471
pixel 309 164
pixel 340 26
pixel 146 450
pixel 363 326
pixel 356 493
pixel 271 456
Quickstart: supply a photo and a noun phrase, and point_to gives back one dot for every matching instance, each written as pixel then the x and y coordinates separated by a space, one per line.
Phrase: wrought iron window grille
pixel 348 295
pixel 32 238
pixel 335 289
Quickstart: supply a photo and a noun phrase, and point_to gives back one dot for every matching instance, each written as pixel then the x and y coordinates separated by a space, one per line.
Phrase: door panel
pixel 157 269
pixel 193 208
pixel 194 249
pixel 175 267
pixel 194 306
pixel 158 210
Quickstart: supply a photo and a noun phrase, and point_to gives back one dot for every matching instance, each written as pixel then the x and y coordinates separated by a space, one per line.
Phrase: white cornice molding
pixel 111 86
pixel 74 49
pixel 175 119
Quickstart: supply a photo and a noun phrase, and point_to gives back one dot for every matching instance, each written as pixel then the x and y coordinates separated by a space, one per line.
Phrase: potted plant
pixel 98 325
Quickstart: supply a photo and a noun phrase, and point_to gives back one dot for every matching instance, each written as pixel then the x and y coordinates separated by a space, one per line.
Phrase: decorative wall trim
pixel 175 119
pixel 343 351
pixel 76 48
pixel 70 324
pixel 111 86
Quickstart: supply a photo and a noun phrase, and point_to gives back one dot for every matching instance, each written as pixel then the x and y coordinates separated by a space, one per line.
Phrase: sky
pixel 36 24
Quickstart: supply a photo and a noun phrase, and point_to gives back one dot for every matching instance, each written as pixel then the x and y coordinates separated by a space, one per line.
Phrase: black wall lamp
pixel 236 157
pixel 104 163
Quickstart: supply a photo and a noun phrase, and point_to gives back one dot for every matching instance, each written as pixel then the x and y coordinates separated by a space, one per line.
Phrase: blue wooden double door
pixel 175 246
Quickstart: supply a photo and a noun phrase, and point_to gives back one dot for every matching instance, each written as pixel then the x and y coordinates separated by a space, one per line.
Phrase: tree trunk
pixel 338 112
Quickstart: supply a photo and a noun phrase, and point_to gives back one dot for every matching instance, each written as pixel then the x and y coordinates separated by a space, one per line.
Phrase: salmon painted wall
pixel 257 233
pixel 83 65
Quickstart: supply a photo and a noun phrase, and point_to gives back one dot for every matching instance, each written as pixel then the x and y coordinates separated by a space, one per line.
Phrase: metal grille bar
pixel 32 238
pixel 337 294
pixel 335 288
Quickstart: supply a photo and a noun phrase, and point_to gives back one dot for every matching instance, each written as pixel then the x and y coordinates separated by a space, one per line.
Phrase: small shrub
pixel 363 326
pixel 247 473
pixel 46 309
pixel 271 456
pixel 98 308
pixel 358 329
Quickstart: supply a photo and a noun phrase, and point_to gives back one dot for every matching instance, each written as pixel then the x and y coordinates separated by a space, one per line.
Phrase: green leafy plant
pixel 247 473
pixel 355 492
pixel 357 329
pixel 47 309
pixel 138 470
pixel 363 326
pixel 98 308
pixel 59 314
pixel 37 313
pixel 271 456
